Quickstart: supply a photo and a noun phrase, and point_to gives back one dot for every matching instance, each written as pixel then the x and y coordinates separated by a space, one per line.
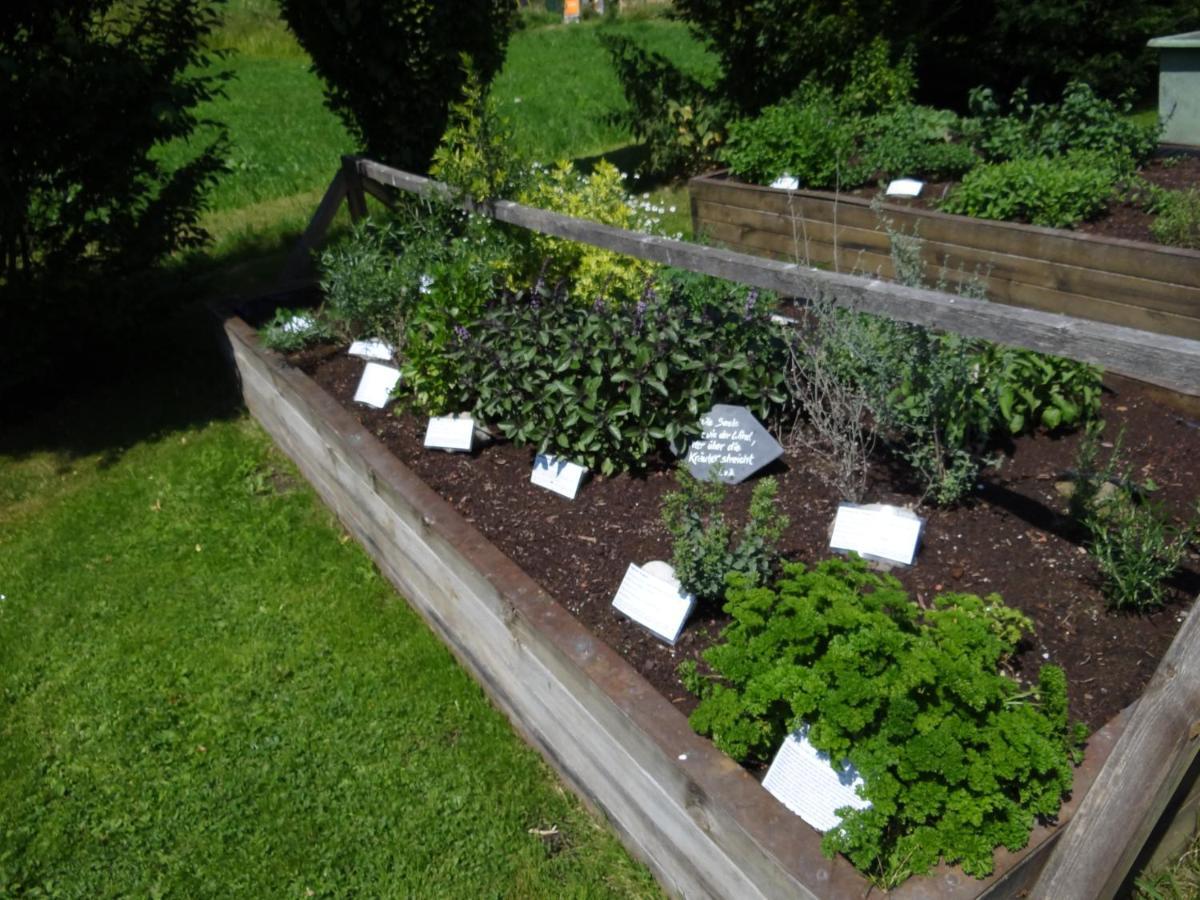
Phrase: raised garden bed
pixel 1078 273
pixel 587 697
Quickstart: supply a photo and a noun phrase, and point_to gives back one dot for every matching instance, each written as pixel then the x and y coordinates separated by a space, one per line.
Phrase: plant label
pixel 375 387
pixel 786 182
pixel 878 532
pixel 450 433
pixel 804 781
pixel 733 443
pixel 904 187
pixel 298 324
pixel 654 601
pixel 557 475
pixel 373 349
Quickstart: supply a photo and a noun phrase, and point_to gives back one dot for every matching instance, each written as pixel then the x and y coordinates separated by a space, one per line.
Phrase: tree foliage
pixel 91 88
pixel 392 67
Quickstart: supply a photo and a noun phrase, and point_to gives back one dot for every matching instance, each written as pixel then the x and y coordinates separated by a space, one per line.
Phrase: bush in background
pixel 93 89
pixel 392 67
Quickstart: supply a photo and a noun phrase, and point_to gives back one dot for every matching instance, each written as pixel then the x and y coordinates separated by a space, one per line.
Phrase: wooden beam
pixel 355 198
pixel 299 261
pixel 1170 362
pixel 1101 842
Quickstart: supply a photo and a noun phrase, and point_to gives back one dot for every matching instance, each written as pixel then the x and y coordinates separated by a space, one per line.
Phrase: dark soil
pixel 1012 539
pixel 1123 219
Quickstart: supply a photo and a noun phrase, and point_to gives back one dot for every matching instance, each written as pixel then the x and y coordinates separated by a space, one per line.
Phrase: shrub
pixel 677 116
pixel 914 140
pixel 93 90
pixel 956 758
pixel 1056 192
pixel 703 552
pixel 293 329
pixel 808 137
pixel 1081 121
pixel 1178 219
pixel 609 385
pixel 392 67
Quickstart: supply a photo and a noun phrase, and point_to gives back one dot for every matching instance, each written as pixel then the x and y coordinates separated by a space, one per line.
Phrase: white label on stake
pixel 557 475
pixel 786 182
pixel 298 324
pixel 877 532
pixel 803 780
pixel 450 433
pixel 658 604
pixel 375 388
pixel 373 349
pixel 905 187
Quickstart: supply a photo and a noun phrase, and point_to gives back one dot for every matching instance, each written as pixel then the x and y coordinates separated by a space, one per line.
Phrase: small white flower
pixel 672 209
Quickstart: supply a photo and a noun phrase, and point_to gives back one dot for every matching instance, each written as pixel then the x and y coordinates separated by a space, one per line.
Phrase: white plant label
pixel 653 601
pixel 450 433
pixel 298 324
pixel 905 187
pixel 373 349
pixel 803 780
pixel 877 532
pixel 557 475
pixel 786 182
pixel 375 387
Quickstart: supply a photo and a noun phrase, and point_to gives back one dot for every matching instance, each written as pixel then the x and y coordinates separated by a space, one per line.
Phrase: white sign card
pixel 373 349
pixel 657 602
pixel 298 324
pixel 450 432
pixel 786 182
pixel 375 387
pixel 804 781
pixel 877 532
pixel 557 475
pixel 905 187
pixel 732 443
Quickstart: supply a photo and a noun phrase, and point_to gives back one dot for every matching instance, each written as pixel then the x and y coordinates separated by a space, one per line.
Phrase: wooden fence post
pixel 1100 843
pixel 356 198
pixel 299 261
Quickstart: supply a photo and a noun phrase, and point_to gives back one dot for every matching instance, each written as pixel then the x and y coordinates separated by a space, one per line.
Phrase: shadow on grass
pixel 162 375
pixel 627 159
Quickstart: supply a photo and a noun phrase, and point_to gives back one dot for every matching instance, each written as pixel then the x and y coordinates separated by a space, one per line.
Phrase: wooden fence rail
pixel 1169 362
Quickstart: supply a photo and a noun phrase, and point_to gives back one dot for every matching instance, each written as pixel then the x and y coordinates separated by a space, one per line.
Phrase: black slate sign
pixel 734 443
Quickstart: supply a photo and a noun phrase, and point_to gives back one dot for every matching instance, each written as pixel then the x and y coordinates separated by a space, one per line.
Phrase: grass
pixel 208 690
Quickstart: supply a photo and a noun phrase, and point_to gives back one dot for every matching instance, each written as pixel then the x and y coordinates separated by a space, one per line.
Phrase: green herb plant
pixel 704 551
pixel 290 330
pixel 1177 222
pixel 957 758
pixel 611 385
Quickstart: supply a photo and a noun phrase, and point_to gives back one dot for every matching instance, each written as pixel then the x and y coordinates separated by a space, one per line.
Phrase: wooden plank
pixel 299 262
pixel 1145 769
pixel 1169 361
pixel 1086 281
pixel 356 199
pixel 1134 258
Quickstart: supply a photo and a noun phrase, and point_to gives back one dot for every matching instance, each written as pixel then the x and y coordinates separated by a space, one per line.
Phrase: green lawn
pixel 208 690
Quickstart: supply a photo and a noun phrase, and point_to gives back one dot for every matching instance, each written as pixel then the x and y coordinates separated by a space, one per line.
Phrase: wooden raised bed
pixel 701 822
pixel 1139 285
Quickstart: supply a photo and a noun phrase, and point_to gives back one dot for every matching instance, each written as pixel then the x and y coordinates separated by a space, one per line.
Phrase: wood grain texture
pixel 702 823
pixel 1165 360
pixel 1099 846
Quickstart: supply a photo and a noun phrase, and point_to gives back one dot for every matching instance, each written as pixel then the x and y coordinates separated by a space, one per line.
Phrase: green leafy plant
pixel 1080 122
pixel 703 552
pixel 1033 389
pixel 907 139
pixel 956 757
pixel 1137 549
pixel 393 67
pixel 1178 218
pixel 1057 192
pixel 294 329
pixel 611 385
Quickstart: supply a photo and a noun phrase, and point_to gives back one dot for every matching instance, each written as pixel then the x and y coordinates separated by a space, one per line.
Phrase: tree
pixel 91 90
pixel 392 67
